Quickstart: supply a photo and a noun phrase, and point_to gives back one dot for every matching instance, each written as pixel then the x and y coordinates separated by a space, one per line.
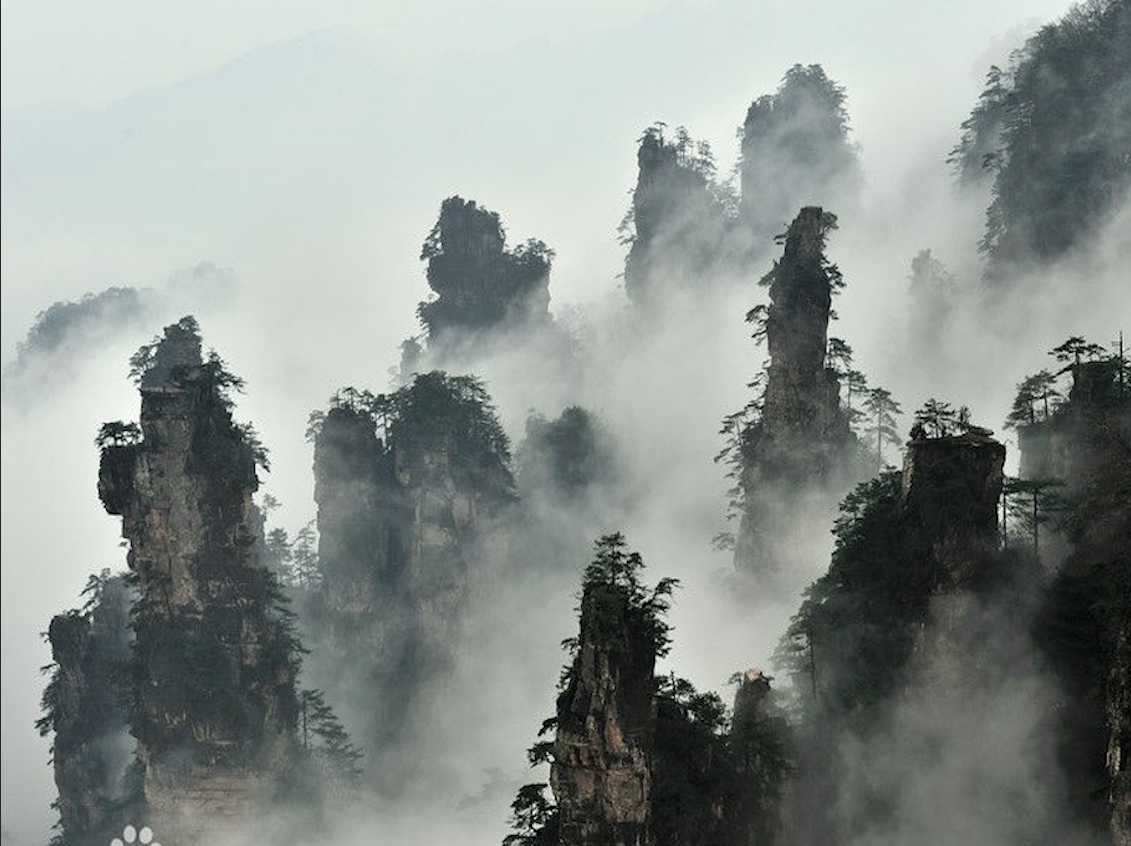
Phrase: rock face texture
pixel 602 770
pixel 213 669
pixel 401 520
pixel 91 747
pixel 480 283
pixel 950 493
pixel 802 441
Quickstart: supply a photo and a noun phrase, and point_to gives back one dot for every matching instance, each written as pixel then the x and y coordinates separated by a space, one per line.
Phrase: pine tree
pixel 881 409
pixel 327 742
pixel 937 418
pixel 1034 503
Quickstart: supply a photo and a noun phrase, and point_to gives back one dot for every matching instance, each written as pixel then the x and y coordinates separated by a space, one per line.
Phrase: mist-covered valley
pixel 675 425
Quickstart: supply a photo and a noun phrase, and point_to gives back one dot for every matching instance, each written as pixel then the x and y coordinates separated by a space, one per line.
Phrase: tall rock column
pixel 601 773
pixel 950 494
pixel 213 670
pixel 1118 706
pixel 802 443
pixel 479 282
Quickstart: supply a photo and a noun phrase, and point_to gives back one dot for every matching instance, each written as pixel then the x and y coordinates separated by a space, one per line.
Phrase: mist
pixel 306 154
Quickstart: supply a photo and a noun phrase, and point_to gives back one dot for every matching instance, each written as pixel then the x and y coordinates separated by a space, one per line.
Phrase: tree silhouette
pixel 304 555
pixel 325 740
pixel 936 418
pixel 1033 392
pixel 838 356
pixel 1073 351
pixel 881 409
pixel 1034 503
pixel 855 384
pixel 534 818
pixel 117 433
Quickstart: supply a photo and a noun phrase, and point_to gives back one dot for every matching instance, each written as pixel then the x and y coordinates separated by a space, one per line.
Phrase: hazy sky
pixel 307 147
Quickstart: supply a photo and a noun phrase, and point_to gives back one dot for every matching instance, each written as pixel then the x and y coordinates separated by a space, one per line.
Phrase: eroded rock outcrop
pixel 919 609
pixel 951 487
pixel 606 720
pixel 801 443
pixel 639 759
pixel 481 284
pixel 212 672
pixel 758 739
pixel 402 520
pixel 681 229
pixel 91 747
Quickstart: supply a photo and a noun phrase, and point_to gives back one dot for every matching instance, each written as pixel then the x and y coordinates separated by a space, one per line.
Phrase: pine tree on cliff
pixel 881 409
pixel 479 282
pixel 936 418
pixel 1036 394
pixel 1075 351
pixel 796 151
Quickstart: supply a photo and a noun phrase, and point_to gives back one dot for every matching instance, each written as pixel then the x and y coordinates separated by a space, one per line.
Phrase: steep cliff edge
pixel 212 675
pixel 91 748
pixel 801 443
pixel 1084 619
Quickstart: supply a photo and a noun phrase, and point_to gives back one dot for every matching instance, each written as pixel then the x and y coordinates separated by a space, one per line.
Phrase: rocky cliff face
pixel 680 227
pixel 1117 708
pixel 212 674
pixel 900 611
pixel 951 487
pixel 1084 620
pixel 359 510
pixel 91 747
pixel 602 770
pixel 802 442
pixel 479 282
pixel 401 519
